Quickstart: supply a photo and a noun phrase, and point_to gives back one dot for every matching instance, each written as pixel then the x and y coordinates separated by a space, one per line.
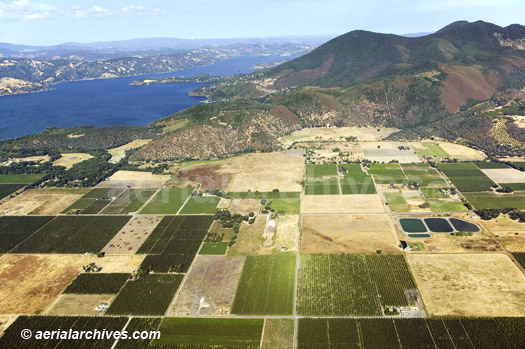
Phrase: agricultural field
pixel 214 248
pixel 387 173
pixel 210 333
pixel 41 201
pixel 174 243
pixel 349 204
pixel 149 295
pixel 8 189
pixel 411 333
pixel 167 201
pixel 461 152
pixel 447 206
pixel 424 175
pixel 15 229
pixel 213 277
pixel 12 338
pixel 469 284
pixel 322 187
pixel 266 286
pixel 483 165
pixel 132 235
pixel 429 149
pixel 347 234
pixel 496 200
pixel 249 240
pixel 73 234
pixel 388 151
pixel 396 201
pixel 285 236
pixel 355 181
pixel 278 333
pixel 466 177
pixel 201 205
pixel 19 178
pixel 320 171
pixel 509 233
pixel 284 202
pixel 139 324
pixel 133 179
pixel 119 153
pixel 130 200
pixel 90 283
pixel 69 159
pixel 337 285
pixel 30 283
pixel 520 257
pixel 78 304
pixel 244 206
pixel 505 175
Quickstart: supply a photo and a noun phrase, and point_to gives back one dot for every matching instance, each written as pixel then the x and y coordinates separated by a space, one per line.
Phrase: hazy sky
pixel 45 22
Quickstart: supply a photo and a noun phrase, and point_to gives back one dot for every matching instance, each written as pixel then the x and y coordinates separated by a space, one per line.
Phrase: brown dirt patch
pixel 250 238
pixel 469 284
pixel 245 206
pixel 284 113
pixel 507 232
pixel 69 159
pixel 213 277
pixel 41 202
pixel 505 175
pixel 347 234
pixel 306 75
pixel 133 179
pixel 208 176
pixel 129 239
pixel 349 204
pixel 78 304
pixel 461 152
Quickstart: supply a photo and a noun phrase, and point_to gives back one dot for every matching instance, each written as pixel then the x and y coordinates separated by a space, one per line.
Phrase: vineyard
pixel 12 338
pixel 338 285
pixel 8 189
pixel 149 295
pixel 129 201
pixel 97 283
pixel 466 177
pixel 412 332
pixel 15 229
pixel 138 324
pixel 520 257
pixel 266 286
pixel 210 333
pixel 174 243
pixel 73 234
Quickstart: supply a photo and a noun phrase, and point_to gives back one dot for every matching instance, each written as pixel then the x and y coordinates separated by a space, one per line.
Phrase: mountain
pixel 431 85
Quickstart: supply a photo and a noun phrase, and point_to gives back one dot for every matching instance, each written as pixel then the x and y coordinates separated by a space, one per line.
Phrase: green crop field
pixel 266 286
pixel 149 295
pixel 338 285
pixel 211 333
pixel 19 178
pixel 387 173
pixel 174 242
pixel 12 338
pixel 424 175
pixel 15 229
pixel 432 149
pixel 278 333
pixel 447 206
pixel 139 324
pixel 356 181
pixel 397 202
pixel 218 248
pixel 201 204
pixel 317 171
pixel 79 205
pixel 433 193
pixel 91 283
pixel 167 201
pixel 411 333
pixel 496 200
pixel 129 201
pixel 467 177
pixel 322 187
pixel 96 207
pixel 8 189
pixel 73 234
pixel 514 186
pixel 488 165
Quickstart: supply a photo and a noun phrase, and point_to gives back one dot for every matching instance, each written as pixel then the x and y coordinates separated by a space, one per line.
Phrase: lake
pixel 108 102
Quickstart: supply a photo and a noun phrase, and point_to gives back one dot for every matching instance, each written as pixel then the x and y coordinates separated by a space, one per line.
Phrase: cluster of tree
pixel 229 220
pixel 504 190
pixel 490 213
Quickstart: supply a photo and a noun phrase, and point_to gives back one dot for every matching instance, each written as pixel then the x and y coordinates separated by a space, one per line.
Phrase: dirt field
pixel 118 153
pixel 326 151
pixel 389 151
pixel 129 239
pixel 249 240
pixel 469 284
pixel 118 264
pixel 510 234
pixel 42 201
pixel 213 277
pixel 347 234
pixel 224 203
pixel 267 171
pixel 336 133
pixel 287 228
pixel 133 179
pixel 78 304
pixel 41 158
pixel 505 175
pixel 461 152
pixel 31 282
pixel 245 206
pixel 357 203
pixel 69 159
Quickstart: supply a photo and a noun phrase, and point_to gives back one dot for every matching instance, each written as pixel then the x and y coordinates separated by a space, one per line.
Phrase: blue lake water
pixel 108 102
